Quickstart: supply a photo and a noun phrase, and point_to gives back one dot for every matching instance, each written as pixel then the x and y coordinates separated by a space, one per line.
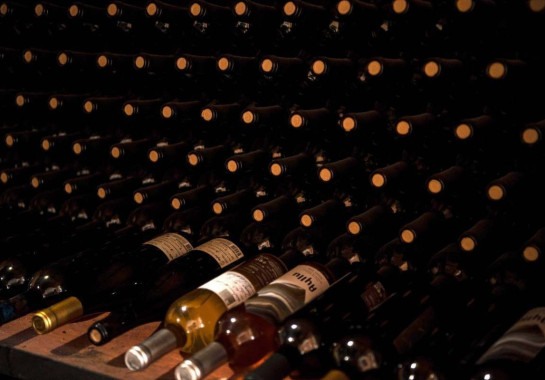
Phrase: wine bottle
pixel 195 66
pixel 130 23
pixel 181 111
pixel 313 120
pixel 172 20
pixel 210 301
pixel 510 192
pixel 255 24
pixel 119 187
pixel 351 19
pixel 208 157
pixel 260 316
pixel 35 250
pixel 73 64
pixel 30 208
pixel 19 175
pixel 242 200
pixel 300 20
pixel 90 22
pixel 330 212
pixel 305 338
pixel 64 105
pixel 159 191
pixel 280 77
pixel 499 365
pixel 117 280
pixel 66 276
pixel 255 115
pixel 432 228
pixel 389 338
pixel 532 248
pixel 508 290
pixel 142 108
pixel 236 71
pixel 490 234
pixel 378 70
pixel 25 144
pixel 221 242
pixel 330 71
pixel 286 206
pixel 531 137
pixel 210 20
pixel 364 122
pixel 221 113
pixel 379 223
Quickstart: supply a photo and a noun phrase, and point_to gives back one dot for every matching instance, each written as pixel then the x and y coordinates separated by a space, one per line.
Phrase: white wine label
pixel 233 288
pixel 239 284
pixel 223 251
pixel 522 342
pixel 290 292
pixel 171 244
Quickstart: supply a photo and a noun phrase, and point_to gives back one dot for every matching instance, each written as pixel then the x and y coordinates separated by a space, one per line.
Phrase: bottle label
pixel 223 251
pixel 522 342
pixel 375 295
pixel 239 284
pixel 290 292
pixel 171 244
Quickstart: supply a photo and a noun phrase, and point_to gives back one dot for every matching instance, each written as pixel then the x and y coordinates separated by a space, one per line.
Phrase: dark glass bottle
pixel 172 20
pixel 118 187
pixel 60 279
pixel 508 287
pixel 255 23
pixel 209 301
pixel 352 19
pixel 43 247
pixel 260 316
pixel 222 239
pixel 210 21
pixel 120 278
pixel 300 21
pixel 181 111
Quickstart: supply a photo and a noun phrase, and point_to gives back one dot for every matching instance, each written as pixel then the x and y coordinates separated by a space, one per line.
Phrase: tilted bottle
pixel 255 23
pixel 246 333
pixel 121 276
pixel 59 279
pixel 508 287
pixel 32 251
pixel 304 338
pixel 152 302
pixel 190 320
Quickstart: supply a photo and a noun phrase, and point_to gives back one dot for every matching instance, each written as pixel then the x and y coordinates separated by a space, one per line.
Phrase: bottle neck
pixel 202 362
pixel 156 346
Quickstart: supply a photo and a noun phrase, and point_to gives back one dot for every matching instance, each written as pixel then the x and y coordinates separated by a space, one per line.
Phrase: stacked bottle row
pixel 303 189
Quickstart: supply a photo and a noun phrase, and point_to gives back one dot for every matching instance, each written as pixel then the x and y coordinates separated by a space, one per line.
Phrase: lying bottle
pixel 31 252
pixel 509 288
pixel 189 322
pixel 246 333
pixel 152 303
pixel 306 336
pixel 518 353
pixel 55 281
pixel 73 211
pixel 123 275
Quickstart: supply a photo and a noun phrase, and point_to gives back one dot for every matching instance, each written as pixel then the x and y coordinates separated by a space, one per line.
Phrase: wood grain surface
pixel 66 353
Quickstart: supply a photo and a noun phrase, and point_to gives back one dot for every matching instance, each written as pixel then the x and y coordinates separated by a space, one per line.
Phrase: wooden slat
pixel 66 353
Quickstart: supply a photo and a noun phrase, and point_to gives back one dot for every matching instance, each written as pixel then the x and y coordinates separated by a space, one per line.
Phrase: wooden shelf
pixel 66 353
